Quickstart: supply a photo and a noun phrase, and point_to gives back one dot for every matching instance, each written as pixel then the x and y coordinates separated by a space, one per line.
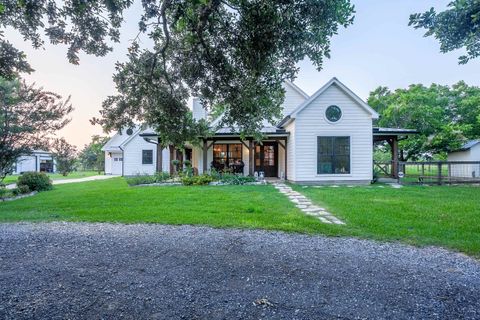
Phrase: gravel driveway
pixel 110 271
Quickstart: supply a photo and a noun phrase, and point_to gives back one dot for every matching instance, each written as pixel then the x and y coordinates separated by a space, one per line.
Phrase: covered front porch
pixel 230 153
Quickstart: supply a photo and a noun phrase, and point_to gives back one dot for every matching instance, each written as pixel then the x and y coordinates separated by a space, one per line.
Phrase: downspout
pixel 123 158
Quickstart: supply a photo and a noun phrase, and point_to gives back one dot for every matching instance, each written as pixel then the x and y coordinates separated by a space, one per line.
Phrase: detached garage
pixel 38 160
pixel 470 151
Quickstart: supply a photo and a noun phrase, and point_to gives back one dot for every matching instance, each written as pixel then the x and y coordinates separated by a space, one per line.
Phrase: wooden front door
pixel 266 159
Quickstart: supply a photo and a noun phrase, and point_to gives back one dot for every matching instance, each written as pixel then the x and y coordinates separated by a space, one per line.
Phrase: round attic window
pixel 129 131
pixel 333 113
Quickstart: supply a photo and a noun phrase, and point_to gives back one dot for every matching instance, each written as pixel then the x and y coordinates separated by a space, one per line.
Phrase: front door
pixel 266 159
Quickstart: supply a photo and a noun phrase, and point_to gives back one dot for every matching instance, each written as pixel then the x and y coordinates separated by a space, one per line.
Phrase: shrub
pixel 197 180
pixel 140 179
pixel 3 192
pixel 229 178
pixel 23 189
pixel 35 181
pixel 162 176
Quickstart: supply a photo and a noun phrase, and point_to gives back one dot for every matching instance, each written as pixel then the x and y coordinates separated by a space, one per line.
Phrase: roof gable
pixel 342 87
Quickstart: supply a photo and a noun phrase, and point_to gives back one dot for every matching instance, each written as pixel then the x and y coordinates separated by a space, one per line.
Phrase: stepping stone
pixel 324 220
pixel 299 206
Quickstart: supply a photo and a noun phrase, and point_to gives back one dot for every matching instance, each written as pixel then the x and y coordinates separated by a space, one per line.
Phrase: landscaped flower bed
pixel 188 179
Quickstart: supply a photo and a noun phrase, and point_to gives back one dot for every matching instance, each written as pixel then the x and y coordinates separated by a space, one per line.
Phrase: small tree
pixel 65 156
pixel 92 156
pixel 28 116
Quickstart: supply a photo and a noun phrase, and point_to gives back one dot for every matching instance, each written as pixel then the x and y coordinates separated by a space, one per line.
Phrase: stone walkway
pixel 306 205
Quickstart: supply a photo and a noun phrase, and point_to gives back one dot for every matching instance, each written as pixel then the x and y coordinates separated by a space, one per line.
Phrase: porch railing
pixel 431 172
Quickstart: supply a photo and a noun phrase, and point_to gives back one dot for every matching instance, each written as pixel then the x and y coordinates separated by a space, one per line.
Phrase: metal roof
pixel 468 145
pixel 379 131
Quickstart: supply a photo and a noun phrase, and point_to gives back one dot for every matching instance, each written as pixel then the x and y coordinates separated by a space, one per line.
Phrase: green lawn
pixel 56 176
pixel 113 201
pixel 447 216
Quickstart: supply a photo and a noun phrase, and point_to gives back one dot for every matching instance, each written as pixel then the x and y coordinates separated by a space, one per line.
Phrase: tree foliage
pixel 82 25
pixel 235 54
pixel 455 28
pixel 92 156
pixel 232 53
pixel 445 116
pixel 65 155
pixel 28 117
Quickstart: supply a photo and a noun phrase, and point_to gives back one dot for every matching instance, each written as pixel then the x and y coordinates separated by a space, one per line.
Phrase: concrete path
pixel 64 181
pixel 115 271
pixel 306 205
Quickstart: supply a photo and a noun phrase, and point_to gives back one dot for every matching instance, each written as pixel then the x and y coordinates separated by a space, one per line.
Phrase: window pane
pixel 325 165
pixel 147 157
pixel 235 153
pixel 342 164
pixel 325 145
pixel 342 146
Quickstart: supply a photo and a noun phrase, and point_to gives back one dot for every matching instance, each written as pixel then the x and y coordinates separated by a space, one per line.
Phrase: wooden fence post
pixel 439 173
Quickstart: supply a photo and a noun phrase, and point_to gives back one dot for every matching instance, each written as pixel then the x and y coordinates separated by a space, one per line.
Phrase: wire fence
pixel 431 172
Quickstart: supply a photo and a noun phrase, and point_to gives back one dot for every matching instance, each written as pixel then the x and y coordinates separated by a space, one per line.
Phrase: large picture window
pixel 333 155
pixel 147 156
pixel 226 155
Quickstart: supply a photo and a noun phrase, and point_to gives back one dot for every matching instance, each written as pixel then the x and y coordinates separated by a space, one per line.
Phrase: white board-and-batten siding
pixel 311 123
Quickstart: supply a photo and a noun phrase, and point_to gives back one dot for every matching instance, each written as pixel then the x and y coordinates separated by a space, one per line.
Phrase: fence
pixel 436 172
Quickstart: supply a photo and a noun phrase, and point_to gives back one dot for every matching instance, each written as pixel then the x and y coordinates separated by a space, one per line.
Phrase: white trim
pixel 344 88
pixel 297 89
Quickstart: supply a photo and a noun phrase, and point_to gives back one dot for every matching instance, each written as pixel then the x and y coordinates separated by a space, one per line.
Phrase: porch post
pixel 286 156
pixel 159 158
pixel 394 146
pixel 173 156
pixel 251 158
pixel 205 154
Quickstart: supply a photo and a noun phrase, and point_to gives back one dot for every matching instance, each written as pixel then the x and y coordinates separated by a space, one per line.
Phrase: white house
pixel 470 151
pixel 38 160
pixel 324 138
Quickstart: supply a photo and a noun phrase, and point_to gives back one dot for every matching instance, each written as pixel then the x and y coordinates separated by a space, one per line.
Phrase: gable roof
pixel 344 88
pixel 119 140
pixel 297 89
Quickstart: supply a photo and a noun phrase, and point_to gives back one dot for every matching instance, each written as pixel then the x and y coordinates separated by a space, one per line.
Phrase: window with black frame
pixel 226 155
pixel 147 156
pixel 333 155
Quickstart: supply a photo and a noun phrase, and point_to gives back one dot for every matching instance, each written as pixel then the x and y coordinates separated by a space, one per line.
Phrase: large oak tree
pixel 455 28
pixel 234 54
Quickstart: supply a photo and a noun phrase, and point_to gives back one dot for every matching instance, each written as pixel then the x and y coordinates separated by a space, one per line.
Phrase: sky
pixel 379 49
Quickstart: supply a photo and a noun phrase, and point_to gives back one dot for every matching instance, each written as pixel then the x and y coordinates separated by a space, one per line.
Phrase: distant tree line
pixel 445 116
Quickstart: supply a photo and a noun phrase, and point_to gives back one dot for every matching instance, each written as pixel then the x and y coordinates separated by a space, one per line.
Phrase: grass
pixel 113 201
pixel 55 176
pixel 447 216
